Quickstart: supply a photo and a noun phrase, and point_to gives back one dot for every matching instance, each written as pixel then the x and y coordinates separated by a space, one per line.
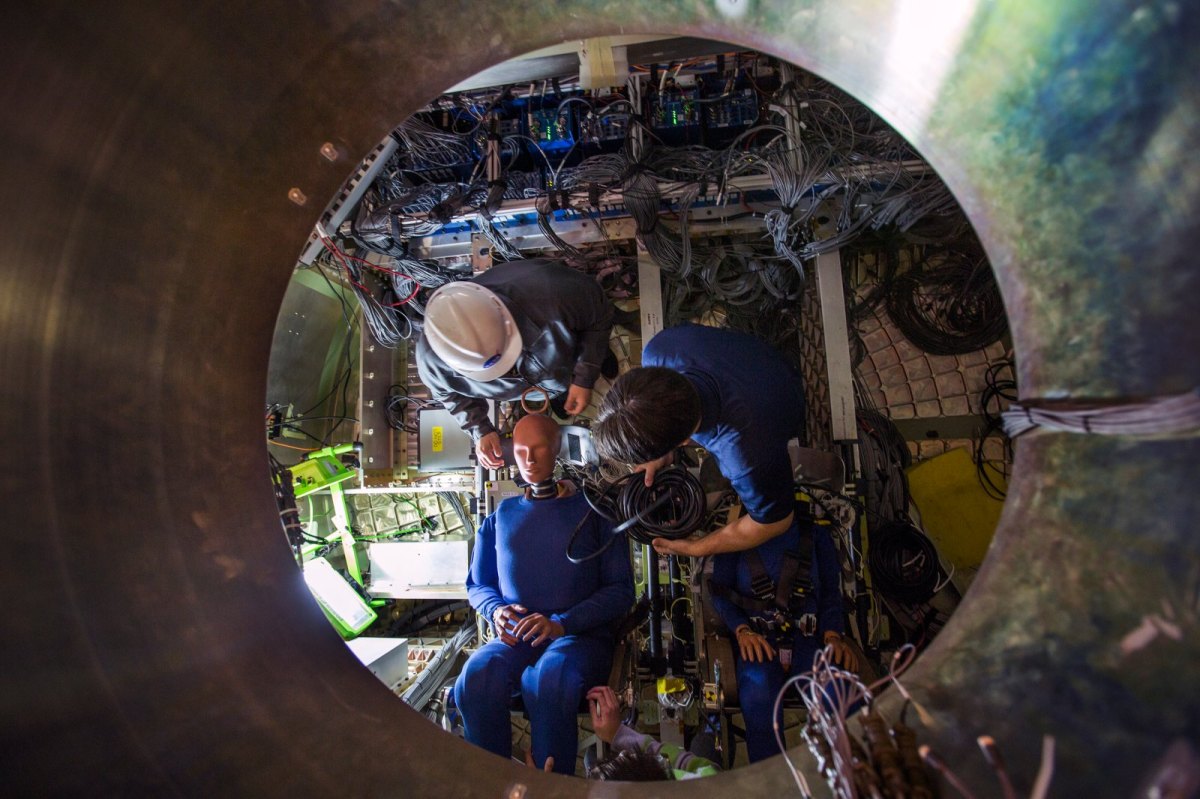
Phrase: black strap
pixel 795 573
pixel 752 606
pixel 760 582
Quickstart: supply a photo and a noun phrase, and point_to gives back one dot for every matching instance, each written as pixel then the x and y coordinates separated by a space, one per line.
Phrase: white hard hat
pixel 472 330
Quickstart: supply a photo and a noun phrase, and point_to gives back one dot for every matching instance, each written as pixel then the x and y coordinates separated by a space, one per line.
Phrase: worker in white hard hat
pixel 523 324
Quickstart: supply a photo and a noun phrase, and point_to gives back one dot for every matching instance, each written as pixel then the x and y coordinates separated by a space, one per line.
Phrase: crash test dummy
pixel 552 619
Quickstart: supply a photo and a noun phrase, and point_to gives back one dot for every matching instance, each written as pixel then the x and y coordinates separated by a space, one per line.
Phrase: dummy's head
pixel 631 765
pixel 648 412
pixel 536 440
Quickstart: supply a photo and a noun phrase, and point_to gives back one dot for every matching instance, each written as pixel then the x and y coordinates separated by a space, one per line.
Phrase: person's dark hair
pixel 631 765
pixel 647 413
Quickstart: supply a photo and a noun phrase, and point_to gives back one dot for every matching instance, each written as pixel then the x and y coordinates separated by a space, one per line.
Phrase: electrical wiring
pixel 998 392
pixel 950 308
pixel 387 327
pixel 904 563
pixel 455 502
pixel 673 507
pixel 1158 416
pixel 397 404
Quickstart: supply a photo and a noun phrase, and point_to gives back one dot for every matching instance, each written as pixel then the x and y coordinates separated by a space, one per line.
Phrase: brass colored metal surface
pixel 157 637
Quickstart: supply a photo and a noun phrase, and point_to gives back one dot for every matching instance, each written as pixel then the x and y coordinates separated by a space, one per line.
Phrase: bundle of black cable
pixel 950 309
pixel 673 507
pixel 904 563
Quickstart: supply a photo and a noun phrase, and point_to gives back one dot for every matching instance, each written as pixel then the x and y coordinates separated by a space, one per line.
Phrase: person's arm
pixel 613 598
pixel 606 721
pixel 483 579
pixel 742 534
pixel 680 759
pixel 588 313
pixel 471 413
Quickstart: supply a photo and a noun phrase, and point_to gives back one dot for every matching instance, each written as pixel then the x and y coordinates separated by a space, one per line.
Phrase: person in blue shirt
pixel 779 633
pixel 732 394
pixel 552 618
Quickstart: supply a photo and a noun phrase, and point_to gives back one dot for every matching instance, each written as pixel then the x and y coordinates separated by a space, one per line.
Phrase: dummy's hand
pixel 529 761
pixel 487 449
pixel 538 629
pixel 842 654
pixel 754 647
pixel 505 619
pixel 577 399
pixel 651 468
pixel 606 712
pixel 687 547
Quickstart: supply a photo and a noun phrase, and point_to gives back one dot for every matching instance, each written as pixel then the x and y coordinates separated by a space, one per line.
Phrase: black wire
pixel 951 309
pixel 673 507
pixel 904 563
pixel 996 392
pixel 344 380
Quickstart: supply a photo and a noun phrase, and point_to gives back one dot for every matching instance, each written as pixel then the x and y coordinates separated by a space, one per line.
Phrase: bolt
pixel 297 196
pixel 370 403
pixel 370 460
pixel 329 151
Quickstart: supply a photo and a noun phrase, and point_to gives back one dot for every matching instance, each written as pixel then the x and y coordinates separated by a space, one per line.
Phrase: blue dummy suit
pixel 520 558
pixel 751 404
pixel 759 683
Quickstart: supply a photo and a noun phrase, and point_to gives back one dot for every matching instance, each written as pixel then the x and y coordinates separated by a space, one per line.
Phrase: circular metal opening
pixel 151 629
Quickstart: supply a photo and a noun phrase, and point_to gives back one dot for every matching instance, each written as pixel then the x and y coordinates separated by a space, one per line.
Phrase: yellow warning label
pixel 437 439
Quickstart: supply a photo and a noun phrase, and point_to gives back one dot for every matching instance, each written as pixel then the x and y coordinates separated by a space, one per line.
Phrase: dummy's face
pixel 535 456
pixel 536 440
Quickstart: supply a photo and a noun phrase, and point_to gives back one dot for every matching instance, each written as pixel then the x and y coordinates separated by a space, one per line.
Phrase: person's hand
pixel 538 629
pixel 840 652
pixel 577 399
pixel 754 647
pixel 651 468
pixel 487 450
pixel 687 547
pixel 505 619
pixel 606 712
pixel 529 761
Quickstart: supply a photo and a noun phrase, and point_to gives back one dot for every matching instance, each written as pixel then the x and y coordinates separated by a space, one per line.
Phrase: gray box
pixel 418 569
pixel 387 658
pixel 443 444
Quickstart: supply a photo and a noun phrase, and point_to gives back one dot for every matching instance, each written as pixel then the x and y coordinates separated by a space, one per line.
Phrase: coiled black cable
pixel 673 507
pixel 904 563
pixel 950 309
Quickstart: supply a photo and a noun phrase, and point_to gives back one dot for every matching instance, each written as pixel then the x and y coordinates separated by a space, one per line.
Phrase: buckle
pixel 763 588
pixel 808 624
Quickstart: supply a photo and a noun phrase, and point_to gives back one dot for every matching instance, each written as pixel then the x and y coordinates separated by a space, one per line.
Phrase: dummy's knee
pixel 486 677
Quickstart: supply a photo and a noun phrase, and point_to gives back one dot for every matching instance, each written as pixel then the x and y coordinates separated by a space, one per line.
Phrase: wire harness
pixel 1158 416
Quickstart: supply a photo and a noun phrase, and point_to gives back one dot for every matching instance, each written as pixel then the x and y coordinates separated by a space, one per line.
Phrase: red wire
pixel 342 256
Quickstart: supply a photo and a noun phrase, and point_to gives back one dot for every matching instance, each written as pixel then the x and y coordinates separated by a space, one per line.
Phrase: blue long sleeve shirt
pixel 732 570
pixel 520 558
pixel 751 404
